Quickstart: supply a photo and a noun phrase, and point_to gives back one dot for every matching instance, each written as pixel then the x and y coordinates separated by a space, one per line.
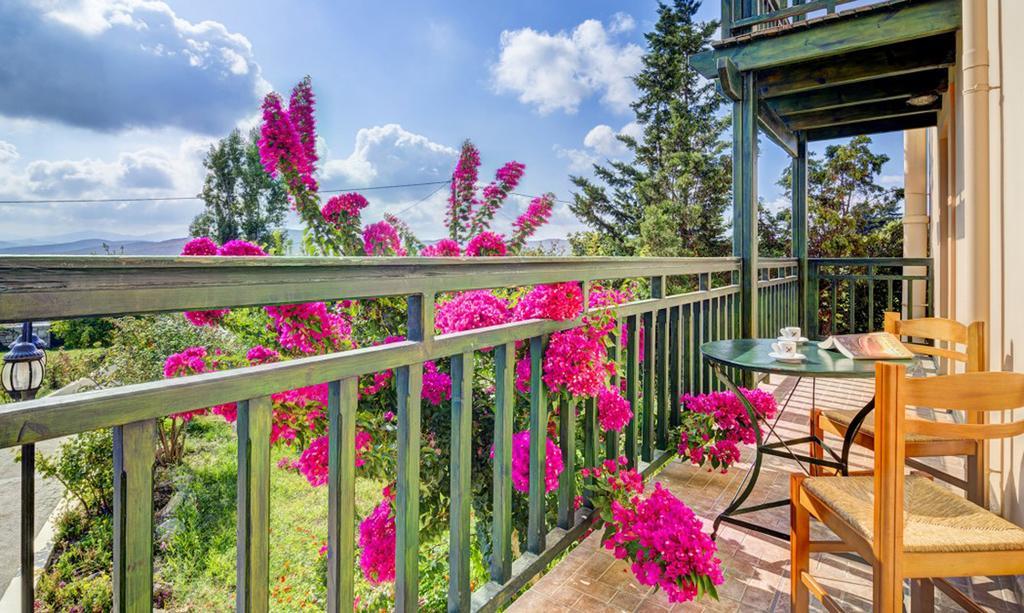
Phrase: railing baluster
pixel 590 435
pixel 650 339
pixel 835 289
pixel 889 295
pixel 460 469
pixel 853 305
pixel 253 529
pixel 567 480
pixel 675 353
pixel 28 527
pixel 686 334
pixel 611 438
pixel 661 378
pixel 871 298
pixel 536 528
pixel 342 397
pixel 632 386
pixel 707 383
pixel 501 556
pixel 134 446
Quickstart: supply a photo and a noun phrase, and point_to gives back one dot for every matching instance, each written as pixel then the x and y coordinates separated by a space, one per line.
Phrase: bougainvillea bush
pixel 660 536
pixel 714 425
pixel 576 362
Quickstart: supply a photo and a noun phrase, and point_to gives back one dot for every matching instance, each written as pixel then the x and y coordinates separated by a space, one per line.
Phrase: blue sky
pixel 112 98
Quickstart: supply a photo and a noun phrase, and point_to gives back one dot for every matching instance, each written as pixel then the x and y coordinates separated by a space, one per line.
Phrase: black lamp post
pixel 22 375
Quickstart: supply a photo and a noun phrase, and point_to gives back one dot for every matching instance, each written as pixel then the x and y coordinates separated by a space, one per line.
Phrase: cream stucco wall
pixel 979 246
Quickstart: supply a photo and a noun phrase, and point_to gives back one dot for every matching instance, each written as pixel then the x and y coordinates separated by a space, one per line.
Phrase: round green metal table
pixel 732 357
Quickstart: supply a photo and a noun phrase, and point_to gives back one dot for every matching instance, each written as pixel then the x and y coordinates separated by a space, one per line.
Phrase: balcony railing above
pixel 746 16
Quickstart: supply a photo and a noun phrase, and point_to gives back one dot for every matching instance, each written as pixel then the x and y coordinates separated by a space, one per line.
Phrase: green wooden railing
pixel 851 294
pixel 778 295
pixel 673 326
pixel 743 16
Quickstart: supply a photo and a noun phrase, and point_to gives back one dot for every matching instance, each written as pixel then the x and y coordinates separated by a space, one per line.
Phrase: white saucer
pixel 796 358
pixel 798 341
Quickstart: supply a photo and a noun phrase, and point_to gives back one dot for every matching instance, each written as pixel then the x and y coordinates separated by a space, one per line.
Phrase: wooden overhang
pixel 878 68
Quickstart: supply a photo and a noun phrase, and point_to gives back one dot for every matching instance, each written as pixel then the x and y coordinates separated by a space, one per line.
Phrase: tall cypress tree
pixel 671 198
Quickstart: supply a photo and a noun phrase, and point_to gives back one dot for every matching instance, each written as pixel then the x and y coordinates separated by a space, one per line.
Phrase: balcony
pixel 706 304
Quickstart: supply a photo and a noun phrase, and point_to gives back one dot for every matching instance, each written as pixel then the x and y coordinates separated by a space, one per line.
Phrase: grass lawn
pixel 198 556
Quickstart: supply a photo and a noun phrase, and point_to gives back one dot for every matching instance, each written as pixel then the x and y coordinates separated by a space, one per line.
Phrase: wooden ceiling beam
pixel 896 60
pixel 893 124
pixel 877 90
pixel 856 114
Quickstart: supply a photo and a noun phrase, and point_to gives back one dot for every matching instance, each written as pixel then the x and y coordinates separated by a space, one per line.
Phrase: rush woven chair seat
pixel 937 519
pixel 946 335
pixel 909 527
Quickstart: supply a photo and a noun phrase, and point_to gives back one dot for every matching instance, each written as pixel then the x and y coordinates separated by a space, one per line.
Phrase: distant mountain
pixel 138 246
pixel 100 246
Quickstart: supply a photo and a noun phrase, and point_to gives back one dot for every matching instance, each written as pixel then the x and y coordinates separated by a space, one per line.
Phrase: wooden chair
pixel 953 334
pixel 909 527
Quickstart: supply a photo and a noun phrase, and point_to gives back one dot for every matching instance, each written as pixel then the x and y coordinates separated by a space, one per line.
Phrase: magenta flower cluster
pixel 613 411
pixel 666 543
pixel 560 302
pixel 313 463
pixel 553 466
pixel 714 425
pixel 194 361
pixel 205 246
pixel 310 328
pixel 381 239
pixel 437 385
pixel 471 310
pixel 377 536
pixel 486 244
pixel 445 247
pixel 536 215
pixel 344 209
pixel 576 361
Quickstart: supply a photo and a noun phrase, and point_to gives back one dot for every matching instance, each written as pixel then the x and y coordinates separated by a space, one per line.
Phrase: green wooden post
pixel 632 386
pixel 798 192
pixel 253 522
pixel 611 438
pixel 28 527
pixel 536 531
pixel 649 402
pixel 567 480
pixel 744 190
pixel 674 363
pixel 133 516
pixel 661 368
pixel 505 395
pixel 590 434
pixel 409 383
pixel 342 397
pixel 727 16
pixel 461 464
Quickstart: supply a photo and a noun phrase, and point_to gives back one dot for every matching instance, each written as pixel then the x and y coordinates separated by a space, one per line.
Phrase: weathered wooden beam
pixel 133 517
pixel 905 58
pixel 876 90
pixel 729 79
pixel 890 24
pixel 41 288
pixel 776 129
pixel 911 122
pixel 798 10
pixel 864 112
pixel 252 566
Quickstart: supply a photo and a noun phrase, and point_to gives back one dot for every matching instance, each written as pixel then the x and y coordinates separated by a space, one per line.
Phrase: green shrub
pixel 64 367
pixel 78 577
pixel 83 333
pixel 85 467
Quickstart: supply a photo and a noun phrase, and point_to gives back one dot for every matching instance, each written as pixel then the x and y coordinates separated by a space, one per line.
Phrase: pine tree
pixel 241 199
pixel 671 198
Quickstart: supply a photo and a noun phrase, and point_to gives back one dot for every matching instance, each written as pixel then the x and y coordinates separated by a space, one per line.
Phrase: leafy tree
pixel 670 199
pixel 850 213
pixel 242 200
pixel 773 232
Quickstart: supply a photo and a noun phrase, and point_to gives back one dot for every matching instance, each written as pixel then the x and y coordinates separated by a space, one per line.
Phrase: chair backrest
pixel 942 330
pixel 973 392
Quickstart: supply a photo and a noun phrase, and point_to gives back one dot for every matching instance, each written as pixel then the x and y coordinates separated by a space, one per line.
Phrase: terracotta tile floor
pixel 756 566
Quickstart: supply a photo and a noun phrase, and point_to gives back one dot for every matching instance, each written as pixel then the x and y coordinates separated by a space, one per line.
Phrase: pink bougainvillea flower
pixel 203 245
pixel 576 361
pixel 536 215
pixel 560 301
pixel 486 244
pixel 377 536
pixel 613 411
pixel 381 239
pixel 310 328
pixel 521 463
pixel 462 199
pixel 471 310
pixel 714 425
pixel 261 355
pixel 523 372
pixel 437 385
pixel 313 463
pixel 239 247
pixel 445 247
pixel 300 112
pixel 194 361
pixel 344 209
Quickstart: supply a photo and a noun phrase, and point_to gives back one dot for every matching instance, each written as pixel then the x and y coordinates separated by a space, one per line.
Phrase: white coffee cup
pixel 786 348
pixel 790 332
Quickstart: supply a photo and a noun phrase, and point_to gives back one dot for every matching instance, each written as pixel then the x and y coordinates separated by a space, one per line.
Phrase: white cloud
pixel 621 22
pixel 8 152
pixel 601 142
pixel 390 154
pixel 558 71
pixel 111 65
